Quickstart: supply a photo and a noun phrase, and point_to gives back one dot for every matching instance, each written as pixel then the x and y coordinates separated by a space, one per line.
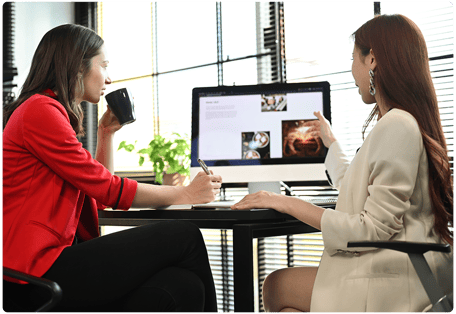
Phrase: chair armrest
pixel 53 287
pixel 415 251
pixel 403 246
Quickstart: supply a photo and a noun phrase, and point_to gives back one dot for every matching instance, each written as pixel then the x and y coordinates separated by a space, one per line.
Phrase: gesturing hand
pixel 322 129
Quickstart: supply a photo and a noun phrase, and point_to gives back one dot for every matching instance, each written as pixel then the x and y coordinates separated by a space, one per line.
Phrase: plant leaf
pixel 141 160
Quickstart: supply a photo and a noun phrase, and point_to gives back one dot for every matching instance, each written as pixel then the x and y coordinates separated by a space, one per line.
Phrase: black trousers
pixel 161 267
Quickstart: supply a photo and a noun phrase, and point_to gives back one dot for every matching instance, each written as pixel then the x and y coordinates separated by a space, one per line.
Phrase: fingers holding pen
pixel 216 181
pixel 215 177
pixel 212 178
pixel 203 188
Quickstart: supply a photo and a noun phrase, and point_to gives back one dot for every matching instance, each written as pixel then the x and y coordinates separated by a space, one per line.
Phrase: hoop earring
pixel 372 90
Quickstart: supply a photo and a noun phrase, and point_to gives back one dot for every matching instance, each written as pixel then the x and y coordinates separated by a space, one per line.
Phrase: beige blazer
pixel 383 195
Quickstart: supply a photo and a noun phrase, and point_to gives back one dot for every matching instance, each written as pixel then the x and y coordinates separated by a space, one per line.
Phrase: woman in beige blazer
pixel 398 187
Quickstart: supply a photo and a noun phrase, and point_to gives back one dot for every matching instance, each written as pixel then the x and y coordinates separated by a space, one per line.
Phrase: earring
pixel 371 85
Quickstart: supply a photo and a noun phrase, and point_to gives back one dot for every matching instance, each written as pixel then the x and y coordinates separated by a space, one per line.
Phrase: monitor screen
pixel 259 132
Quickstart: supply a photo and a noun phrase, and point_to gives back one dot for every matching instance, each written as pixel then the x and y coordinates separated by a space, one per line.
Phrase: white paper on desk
pixel 182 206
pixel 224 204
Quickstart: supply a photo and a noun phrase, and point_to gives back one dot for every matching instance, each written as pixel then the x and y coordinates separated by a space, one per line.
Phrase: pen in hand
pixel 203 165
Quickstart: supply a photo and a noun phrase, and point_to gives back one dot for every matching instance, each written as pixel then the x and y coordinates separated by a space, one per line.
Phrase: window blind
pixel 219 244
pixel 9 68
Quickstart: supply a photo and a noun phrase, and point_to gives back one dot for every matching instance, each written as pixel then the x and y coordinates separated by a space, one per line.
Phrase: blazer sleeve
pixel 393 155
pixel 336 164
pixel 49 136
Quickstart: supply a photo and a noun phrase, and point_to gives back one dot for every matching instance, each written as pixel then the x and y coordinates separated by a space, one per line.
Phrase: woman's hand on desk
pixel 298 208
pixel 203 188
pixel 261 199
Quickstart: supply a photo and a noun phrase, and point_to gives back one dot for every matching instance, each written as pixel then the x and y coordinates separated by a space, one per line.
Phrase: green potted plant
pixel 168 155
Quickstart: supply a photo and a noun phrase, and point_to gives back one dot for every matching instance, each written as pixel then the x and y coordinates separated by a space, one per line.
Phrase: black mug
pixel 122 105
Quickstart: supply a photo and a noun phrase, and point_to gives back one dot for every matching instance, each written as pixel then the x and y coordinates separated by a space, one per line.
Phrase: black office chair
pixel 415 250
pixel 16 304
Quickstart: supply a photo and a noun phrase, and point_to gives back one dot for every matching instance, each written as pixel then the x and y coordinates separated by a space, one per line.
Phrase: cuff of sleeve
pixel 327 231
pixel 338 228
pixel 335 241
pixel 128 194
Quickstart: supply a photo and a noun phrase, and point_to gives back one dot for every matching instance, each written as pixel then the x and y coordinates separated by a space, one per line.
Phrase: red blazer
pixel 51 186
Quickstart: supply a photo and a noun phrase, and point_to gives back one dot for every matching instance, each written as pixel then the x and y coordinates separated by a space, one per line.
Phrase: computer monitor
pixel 257 134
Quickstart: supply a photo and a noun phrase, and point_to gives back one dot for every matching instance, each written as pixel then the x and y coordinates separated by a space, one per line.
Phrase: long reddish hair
pixel 403 79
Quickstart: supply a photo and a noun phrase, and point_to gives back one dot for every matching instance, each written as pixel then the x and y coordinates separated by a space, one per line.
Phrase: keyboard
pixel 320 200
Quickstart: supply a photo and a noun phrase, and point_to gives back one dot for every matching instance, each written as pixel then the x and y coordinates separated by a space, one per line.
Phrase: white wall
pixel 33 20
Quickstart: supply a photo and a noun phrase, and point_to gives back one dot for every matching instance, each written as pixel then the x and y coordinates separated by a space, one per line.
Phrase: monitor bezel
pixel 255 89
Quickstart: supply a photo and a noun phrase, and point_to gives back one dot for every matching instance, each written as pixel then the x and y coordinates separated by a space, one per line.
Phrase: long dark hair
pixel 403 79
pixel 64 52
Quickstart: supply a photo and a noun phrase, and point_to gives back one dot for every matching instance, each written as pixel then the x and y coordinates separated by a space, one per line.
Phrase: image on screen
pixel 255 145
pixel 272 103
pixel 297 140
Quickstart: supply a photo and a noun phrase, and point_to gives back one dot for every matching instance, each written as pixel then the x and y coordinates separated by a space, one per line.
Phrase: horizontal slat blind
pixel 272 255
pixel 219 245
pixel 442 74
pixel 307 249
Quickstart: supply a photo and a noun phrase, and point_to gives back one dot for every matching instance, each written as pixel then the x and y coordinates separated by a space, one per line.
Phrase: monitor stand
pixel 271 186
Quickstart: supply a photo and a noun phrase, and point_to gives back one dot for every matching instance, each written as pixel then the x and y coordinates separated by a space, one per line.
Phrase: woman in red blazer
pixel 52 189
